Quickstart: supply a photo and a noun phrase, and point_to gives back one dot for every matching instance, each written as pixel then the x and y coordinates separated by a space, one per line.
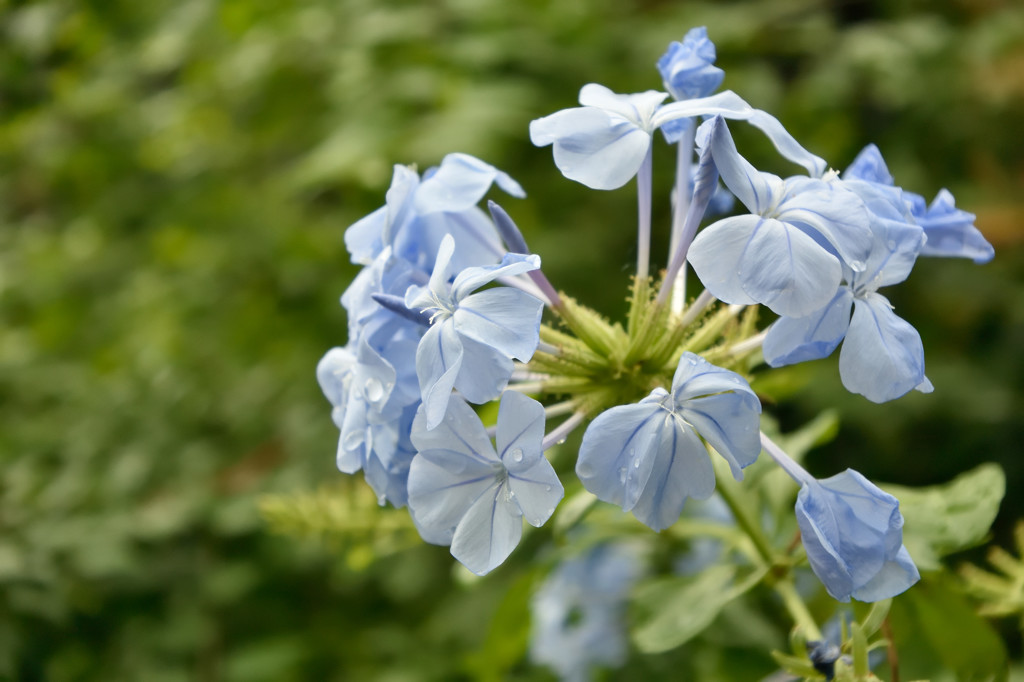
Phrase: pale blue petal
pixel 484 373
pixel 869 166
pixel 438 361
pixel 896 576
pixel 520 431
pixel 364 238
pixel 442 487
pixel 476 239
pixel 730 105
pixel 511 264
pixel 687 67
pixel 715 256
pixel 591 147
pixel 460 432
pixel 421 298
pixel 895 250
pixel 730 423
pixel 951 231
pixel 758 191
pixel 618 451
pixel 695 377
pixel 459 183
pixel 637 108
pixel 815 336
pixel 489 531
pixel 882 357
pixel 504 318
pixel 834 212
pixel 820 535
pixel 788 271
pixel 537 491
pixel 682 469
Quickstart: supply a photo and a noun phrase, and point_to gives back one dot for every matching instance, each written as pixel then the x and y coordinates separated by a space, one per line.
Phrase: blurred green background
pixel 175 182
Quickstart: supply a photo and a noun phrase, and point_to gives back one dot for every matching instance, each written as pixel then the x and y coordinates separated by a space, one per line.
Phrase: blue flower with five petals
pixel 472 337
pixel 464 494
pixel 648 457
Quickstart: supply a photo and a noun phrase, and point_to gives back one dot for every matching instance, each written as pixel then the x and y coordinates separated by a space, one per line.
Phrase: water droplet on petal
pixel 622 475
pixel 891 244
pixel 632 452
pixel 517 454
pixel 636 463
pixel 547 488
pixel 550 511
pixel 857 265
pixel 373 389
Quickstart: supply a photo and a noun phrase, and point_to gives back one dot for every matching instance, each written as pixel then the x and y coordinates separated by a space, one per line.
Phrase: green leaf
pixel 937 631
pixel 947 518
pixel 671 611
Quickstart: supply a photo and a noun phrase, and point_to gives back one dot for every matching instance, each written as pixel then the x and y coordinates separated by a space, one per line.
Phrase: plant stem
pixel 797 609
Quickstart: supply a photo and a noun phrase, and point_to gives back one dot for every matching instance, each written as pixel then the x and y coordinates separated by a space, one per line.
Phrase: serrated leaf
pixel 671 611
pixel 947 518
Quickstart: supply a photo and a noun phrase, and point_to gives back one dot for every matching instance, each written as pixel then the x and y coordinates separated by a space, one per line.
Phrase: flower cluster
pixel 448 311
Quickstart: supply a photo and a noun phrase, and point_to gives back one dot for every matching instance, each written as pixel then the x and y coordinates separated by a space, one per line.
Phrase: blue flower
pixel 786 253
pixel 853 534
pixel 951 232
pixel 418 214
pixel 372 417
pixel 688 71
pixel 579 613
pixel 882 356
pixel 463 493
pixel 648 457
pixel 473 337
pixel 603 143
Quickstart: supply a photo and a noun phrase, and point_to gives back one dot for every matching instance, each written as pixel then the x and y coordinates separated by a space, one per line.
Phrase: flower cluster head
pixel 449 312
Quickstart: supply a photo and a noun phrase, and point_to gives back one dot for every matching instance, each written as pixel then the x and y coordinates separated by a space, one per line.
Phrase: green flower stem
pixel 794 603
pixel 728 490
pixel 783 585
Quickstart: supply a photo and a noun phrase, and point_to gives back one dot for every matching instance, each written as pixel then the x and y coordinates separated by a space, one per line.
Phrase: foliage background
pixel 175 181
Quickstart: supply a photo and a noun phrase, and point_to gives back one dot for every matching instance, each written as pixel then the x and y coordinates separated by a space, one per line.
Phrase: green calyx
pixel 601 364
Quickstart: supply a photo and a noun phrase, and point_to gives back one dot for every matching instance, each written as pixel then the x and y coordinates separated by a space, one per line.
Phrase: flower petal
pixel 715 256
pixel 504 318
pixel 799 339
pixel 484 373
pixel 442 486
pixel 511 264
pixel 682 469
pixel 489 531
pixel 459 183
pixel 882 357
pixel 786 270
pixel 618 451
pixel 520 431
pixel 438 361
pixel 591 147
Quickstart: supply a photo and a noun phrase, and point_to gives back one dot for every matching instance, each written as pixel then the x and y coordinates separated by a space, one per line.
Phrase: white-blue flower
pixel 882 356
pixel 951 232
pixel 418 213
pixel 463 493
pixel 787 252
pixel 472 337
pixel 853 534
pixel 648 457
pixel 603 143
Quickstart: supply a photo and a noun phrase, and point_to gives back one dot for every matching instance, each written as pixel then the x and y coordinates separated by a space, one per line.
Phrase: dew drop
pixel 547 488
pixel 636 463
pixel 373 389
pixel 622 475
pixel 891 244
pixel 550 511
pixel 857 265
pixel 632 452
pixel 517 454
